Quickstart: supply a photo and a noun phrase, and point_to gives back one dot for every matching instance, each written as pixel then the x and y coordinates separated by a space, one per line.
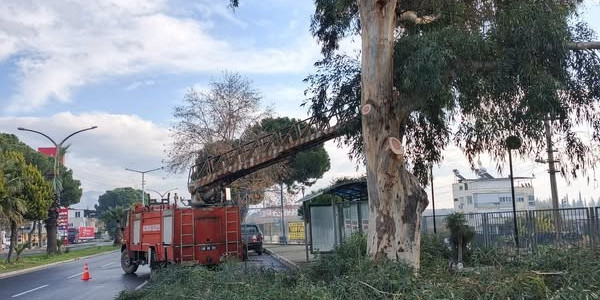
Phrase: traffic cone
pixel 86 273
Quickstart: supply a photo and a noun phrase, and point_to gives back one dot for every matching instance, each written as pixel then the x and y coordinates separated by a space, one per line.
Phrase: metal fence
pixel 566 227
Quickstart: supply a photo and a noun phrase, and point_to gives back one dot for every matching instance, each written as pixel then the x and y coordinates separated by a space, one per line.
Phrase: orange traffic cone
pixel 86 273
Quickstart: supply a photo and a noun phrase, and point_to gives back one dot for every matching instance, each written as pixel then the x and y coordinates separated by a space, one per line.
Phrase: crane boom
pixel 216 171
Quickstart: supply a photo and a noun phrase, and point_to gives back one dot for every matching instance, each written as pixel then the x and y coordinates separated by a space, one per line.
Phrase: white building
pixel 80 218
pixel 489 194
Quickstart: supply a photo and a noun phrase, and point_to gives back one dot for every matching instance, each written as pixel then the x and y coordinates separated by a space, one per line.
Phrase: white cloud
pixel 61 46
pixel 99 157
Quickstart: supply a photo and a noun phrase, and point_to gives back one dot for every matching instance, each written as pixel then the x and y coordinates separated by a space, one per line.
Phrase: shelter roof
pixel 355 190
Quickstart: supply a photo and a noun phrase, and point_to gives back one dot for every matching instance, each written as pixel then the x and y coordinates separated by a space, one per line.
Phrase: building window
pixel 455 199
pixel 469 199
pixel 461 206
pixel 505 199
pixel 462 200
pixel 466 186
pixel 520 199
pixel 460 187
pixel 77 214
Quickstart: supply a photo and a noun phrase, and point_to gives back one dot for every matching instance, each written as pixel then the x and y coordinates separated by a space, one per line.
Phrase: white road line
pixel 106 265
pixel 23 293
pixel 141 285
pixel 74 275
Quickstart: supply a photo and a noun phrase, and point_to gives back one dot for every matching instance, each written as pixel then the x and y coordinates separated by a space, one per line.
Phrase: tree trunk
pixel 396 199
pixel 30 236
pixel 13 240
pixel 51 230
pixel 39 227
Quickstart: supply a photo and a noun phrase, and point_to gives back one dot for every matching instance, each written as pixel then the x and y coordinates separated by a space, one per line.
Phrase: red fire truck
pixel 162 233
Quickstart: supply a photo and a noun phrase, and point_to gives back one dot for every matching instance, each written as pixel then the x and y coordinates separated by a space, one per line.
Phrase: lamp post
pixel 143 182
pixel 52 211
pixel 513 142
pixel 162 195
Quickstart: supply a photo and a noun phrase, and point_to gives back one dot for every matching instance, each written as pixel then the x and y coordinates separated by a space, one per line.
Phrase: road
pixel 64 281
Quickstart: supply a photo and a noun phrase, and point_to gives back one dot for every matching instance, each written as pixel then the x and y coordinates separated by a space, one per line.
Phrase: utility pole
pixel 283 236
pixel 143 181
pixel 432 200
pixel 552 171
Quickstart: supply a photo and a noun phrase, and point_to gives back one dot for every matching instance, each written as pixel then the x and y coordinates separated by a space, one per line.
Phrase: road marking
pixel 141 285
pixel 106 265
pixel 74 275
pixel 23 293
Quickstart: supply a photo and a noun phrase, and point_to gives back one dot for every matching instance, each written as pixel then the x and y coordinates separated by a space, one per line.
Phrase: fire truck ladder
pixel 187 226
pixel 232 230
pixel 269 149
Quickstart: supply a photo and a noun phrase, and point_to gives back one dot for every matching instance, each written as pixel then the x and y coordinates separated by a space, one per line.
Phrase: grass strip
pixel 44 259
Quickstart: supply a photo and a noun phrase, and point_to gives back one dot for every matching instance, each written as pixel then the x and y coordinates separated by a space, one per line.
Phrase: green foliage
pixel 113 218
pixel 301 168
pixel 123 197
pixel 113 204
pixel 38 192
pixel 71 191
pixel 461 234
pixel 19 249
pixel 13 204
pixel 349 274
pixel 496 68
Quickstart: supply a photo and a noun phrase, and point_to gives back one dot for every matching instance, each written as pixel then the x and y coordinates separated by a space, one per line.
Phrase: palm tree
pixel 12 204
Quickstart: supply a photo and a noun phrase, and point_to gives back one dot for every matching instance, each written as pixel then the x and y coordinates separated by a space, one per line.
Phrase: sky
pixel 124 65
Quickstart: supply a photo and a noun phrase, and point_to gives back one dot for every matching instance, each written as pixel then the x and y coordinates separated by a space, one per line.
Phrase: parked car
pixel 252 238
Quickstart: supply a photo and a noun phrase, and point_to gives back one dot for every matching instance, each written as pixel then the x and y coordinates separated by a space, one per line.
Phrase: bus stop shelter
pixel 327 225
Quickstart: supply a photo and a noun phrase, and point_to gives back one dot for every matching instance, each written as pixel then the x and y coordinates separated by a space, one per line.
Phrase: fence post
pixel 532 228
pixel 484 228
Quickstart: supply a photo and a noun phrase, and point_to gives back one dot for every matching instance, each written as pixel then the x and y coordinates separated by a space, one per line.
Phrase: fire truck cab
pixel 162 233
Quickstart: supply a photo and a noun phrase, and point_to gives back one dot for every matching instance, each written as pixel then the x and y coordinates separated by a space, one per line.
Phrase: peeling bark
pixel 396 199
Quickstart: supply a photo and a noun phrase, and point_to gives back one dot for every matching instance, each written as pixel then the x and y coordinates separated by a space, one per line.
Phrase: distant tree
pixel 119 197
pixel 113 218
pixel 304 167
pixel 208 117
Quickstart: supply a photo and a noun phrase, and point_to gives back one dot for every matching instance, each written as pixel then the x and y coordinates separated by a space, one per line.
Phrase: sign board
pixel 63 218
pixel 296 230
pixel 86 232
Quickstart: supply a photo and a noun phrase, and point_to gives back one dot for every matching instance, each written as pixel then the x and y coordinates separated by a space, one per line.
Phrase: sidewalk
pixel 292 256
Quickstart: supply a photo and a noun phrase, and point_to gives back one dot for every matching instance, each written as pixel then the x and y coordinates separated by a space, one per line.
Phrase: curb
pixel 33 269
pixel 284 261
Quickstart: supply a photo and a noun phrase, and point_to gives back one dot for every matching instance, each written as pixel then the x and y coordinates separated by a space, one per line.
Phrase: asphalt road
pixel 64 281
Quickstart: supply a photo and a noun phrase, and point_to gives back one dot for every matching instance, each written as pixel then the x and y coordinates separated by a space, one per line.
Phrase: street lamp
pixel 513 142
pixel 52 213
pixel 162 195
pixel 143 182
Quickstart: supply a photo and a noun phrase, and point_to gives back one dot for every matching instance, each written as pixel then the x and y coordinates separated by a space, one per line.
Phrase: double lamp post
pixel 51 222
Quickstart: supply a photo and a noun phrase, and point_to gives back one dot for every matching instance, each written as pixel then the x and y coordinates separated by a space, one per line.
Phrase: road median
pixel 37 262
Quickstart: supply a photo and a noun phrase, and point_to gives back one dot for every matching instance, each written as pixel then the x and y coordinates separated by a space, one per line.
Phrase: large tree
pixel 113 203
pixel 491 68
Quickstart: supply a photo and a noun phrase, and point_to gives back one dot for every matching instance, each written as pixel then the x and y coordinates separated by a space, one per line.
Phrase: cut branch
pixel 584 46
pixel 411 16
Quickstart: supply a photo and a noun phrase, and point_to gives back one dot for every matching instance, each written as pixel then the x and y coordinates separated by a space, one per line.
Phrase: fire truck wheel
pixel 126 264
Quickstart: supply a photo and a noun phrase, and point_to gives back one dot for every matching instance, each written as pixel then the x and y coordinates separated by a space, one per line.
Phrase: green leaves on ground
pixel 349 274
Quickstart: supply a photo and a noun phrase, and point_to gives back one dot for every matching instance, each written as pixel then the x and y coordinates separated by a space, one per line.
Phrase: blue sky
pixel 124 65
